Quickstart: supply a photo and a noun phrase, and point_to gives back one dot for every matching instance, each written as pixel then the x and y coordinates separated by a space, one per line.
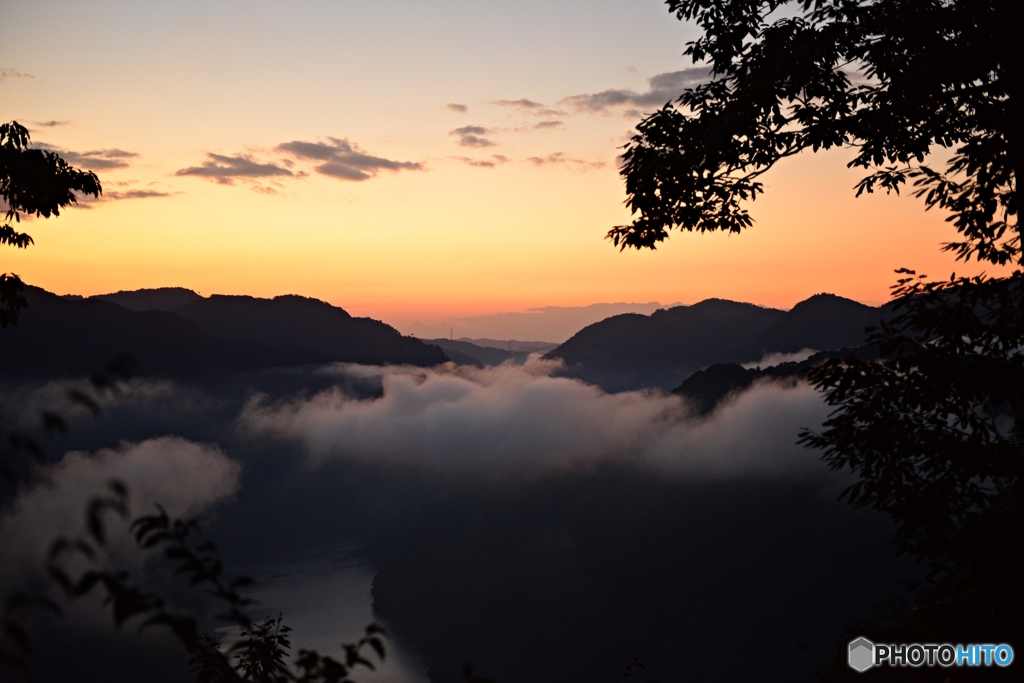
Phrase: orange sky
pixel 169 85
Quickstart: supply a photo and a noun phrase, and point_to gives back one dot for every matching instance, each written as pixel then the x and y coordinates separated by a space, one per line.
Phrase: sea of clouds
pixel 311 479
pixel 522 417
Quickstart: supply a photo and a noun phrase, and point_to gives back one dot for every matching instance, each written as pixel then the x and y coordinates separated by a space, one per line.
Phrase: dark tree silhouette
pixel 934 427
pixel 893 79
pixel 37 183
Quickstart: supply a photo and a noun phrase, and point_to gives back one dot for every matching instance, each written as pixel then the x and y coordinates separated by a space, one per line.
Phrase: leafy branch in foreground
pixel 893 80
pixel 20 459
pixel 259 655
pixel 261 652
pixel 35 182
pixel 934 430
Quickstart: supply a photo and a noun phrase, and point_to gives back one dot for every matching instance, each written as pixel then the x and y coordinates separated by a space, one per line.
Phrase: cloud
pixel 770 360
pixel 559 158
pixel 663 88
pixel 518 104
pixel 88 201
pixel 549 323
pixel 495 160
pixel 185 477
pixel 473 136
pixel 95 160
pixel 227 169
pixel 136 194
pixel 51 124
pixel 520 418
pixel 460 108
pixel 335 158
pixel 529 107
pixel 549 124
pixel 13 73
pixel 343 160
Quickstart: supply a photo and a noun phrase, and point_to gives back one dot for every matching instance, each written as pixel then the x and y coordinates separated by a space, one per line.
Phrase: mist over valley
pixel 526 509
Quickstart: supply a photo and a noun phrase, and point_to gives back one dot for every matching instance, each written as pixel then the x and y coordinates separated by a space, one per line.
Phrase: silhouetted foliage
pixel 260 654
pixel 37 183
pixel 637 663
pixel 893 79
pixel 21 455
pixel 933 428
pixel 935 432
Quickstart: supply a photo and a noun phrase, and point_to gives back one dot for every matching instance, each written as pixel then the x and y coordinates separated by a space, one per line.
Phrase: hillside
pixel 822 322
pixel 706 389
pixel 74 336
pixel 464 352
pixel 160 299
pixel 308 323
pixel 634 351
pixel 70 336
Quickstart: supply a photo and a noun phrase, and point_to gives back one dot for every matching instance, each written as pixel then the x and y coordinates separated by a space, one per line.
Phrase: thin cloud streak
pixel 663 88
pixel 560 159
pixel 495 160
pixel 529 107
pixel 88 202
pixel 6 74
pixel 95 160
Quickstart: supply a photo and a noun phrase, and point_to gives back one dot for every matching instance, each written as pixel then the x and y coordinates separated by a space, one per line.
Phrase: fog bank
pixel 511 418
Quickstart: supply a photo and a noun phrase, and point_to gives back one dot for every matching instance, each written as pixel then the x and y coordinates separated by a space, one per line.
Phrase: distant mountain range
pixel 177 333
pixel 549 323
pixel 660 350
pixel 464 352
pixel 484 352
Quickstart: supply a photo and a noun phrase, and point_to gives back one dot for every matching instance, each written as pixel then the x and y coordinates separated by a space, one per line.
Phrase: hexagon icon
pixel 862 654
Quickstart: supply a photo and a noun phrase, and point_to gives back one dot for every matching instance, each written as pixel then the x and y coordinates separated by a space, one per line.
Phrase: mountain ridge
pixel 66 336
pixel 660 350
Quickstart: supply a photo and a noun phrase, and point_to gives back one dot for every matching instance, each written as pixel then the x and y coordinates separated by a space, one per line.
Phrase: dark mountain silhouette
pixel 160 299
pixel 631 351
pixel 73 336
pixel 467 353
pixel 635 351
pixel 307 323
pixel 70 337
pixel 822 322
pixel 706 389
pixel 512 344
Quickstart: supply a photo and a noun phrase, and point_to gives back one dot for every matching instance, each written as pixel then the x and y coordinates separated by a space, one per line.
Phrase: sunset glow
pixel 403 161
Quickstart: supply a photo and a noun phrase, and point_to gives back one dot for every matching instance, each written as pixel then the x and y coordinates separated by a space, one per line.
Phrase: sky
pixel 414 162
